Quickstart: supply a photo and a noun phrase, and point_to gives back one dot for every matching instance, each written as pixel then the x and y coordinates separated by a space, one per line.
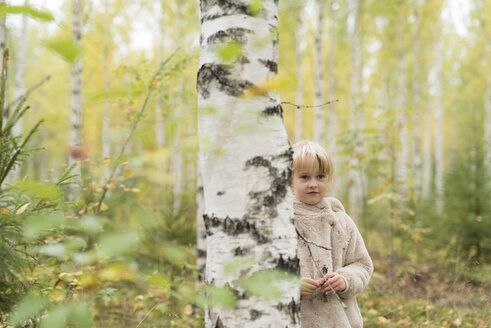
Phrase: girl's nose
pixel 312 183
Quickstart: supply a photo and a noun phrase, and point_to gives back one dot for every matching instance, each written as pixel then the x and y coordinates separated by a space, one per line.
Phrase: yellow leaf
pixel 107 161
pixel 22 209
pixel 383 320
pixel 373 312
pixel 4 210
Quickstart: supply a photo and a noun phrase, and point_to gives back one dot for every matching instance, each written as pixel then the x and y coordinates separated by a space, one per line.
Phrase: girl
pixel 334 263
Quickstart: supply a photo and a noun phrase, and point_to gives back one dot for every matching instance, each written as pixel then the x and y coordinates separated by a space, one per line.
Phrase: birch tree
pixel 331 84
pixel 319 117
pixel 300 48
pixel 439 124
pixel 3 45
pixel 355 173
pixel 106 144
pixel 76 110
pixel 416 106
pixel 247 194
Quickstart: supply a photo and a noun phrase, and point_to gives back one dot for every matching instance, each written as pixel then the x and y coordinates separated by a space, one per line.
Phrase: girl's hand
pixel 308 286
pixel 337 282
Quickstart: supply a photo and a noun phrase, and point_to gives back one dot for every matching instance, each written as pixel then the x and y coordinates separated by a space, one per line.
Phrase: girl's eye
pixel 321 176
pixel 304 177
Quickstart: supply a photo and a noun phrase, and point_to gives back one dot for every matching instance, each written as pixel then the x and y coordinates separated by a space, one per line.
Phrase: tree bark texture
pixel 76 116
pixel 246 164
pixel 3 45
pixel 319 117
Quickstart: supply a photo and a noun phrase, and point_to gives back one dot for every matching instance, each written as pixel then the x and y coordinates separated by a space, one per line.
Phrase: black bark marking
pixel 255 314
pixel 219 323
pixel 292 308
pixel 266 201
pixel 291 265
pixel 220 193
pixel 270 64
pixel 241 251
pixel 227 7
pixel 234 227
pixel 231 34
pixel 210 74
pixel 273 111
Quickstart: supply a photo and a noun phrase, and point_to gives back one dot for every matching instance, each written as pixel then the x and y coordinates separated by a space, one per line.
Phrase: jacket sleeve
pixel 358 265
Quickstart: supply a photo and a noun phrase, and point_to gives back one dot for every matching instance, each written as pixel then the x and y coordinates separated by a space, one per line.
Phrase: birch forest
pixel 146 161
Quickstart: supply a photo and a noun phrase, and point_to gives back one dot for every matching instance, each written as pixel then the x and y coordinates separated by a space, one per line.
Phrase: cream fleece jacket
pixel 327 224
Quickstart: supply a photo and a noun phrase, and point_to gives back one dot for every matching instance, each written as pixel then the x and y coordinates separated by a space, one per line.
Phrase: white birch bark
pixel 331 87
pixel 417 111
pixel 76 110
pixel 19 80
pixel 319 117
pixel 427 153
pixel 248 199
pixel 106 144
pixel 355 174
pixel 439 125
pixel 401 107
pixel 177 158
pixel 300 48
pixel 159 120
pixel 200 229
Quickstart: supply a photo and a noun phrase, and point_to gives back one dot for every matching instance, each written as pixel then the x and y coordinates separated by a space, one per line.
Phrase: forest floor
pixel 426 295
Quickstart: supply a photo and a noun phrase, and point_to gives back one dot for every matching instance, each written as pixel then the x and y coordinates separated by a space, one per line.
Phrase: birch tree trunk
pixel 319 120
pixel 159 120
pixel 76 110
pixel 3 45
pixel 248 198
pixel 356 176
pixel 200 229
pixel 20 88
pixel 177 158
pixel 300 47
pixel 417 111
pixel 427 154
pixel 439 125
pixel 401 106
pixel 331 86
pixel 106 144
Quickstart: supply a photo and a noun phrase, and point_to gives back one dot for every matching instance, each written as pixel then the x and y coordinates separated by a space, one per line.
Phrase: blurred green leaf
pixel 175 253
pixel 239 264
pixel 117 243
pixel 66 48
pixel 56 318
pixel 55 250
pixel 255 7
pixel 221 296
pixel 159 280
pixel 90 225
pixel 36 225
pixel 28 308
pixel 230 52
pixel 40 190
pixel 80 315
pixel 42 15
pixel 264 283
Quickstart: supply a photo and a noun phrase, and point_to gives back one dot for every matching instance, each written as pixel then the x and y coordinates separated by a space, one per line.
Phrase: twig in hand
pixel 309 106
pixel 312 242
pixel 138 118
pixel 28 92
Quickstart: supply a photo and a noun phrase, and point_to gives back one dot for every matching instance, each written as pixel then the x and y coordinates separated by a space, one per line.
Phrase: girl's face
pixel 310 186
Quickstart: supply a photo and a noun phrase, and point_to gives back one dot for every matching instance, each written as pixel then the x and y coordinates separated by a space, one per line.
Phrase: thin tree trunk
pixel 248 198
pixel 319 120
pixel 417 111
pixel 159 120
pixel 300 47
pixel 76 111
pixel 331 89
pixel 20 88
pixel 439 126
pixel 177 158
pixel 427 153
pixel 355 184
pixel 401 107
pixel 106 144
pixel 487 120
pixel 3 45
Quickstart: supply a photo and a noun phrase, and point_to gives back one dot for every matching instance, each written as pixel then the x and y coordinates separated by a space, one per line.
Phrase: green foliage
pixel 42 15
pixel 65 47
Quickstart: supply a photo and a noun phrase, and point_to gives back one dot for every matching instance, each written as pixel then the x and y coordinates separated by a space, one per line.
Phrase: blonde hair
pixel 309 155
